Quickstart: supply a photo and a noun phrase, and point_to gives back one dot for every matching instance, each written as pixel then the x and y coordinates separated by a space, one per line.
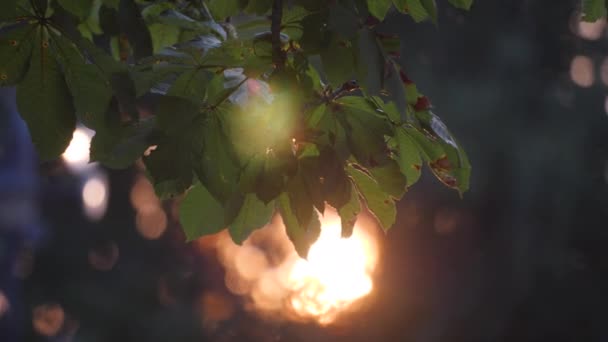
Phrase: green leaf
pixel 300 199
pixel 258 7
pixel 222 9
pixel 79 8
pixel 163 36
pixel 466 4
pixel 192 85
pixel 390 179
pixel 335 183
pixel 338 61
pixel 118 145
pixel 253 214
pixel 593 10
pixel 407 156
pixel 302 237
pixel 89 86
pixel 370 62
pixel 177 116
pixel 310 170
pixel 415 9
pixel 45 103
pixel 169 167
pixel 150 76
pixel 272 178
pixel 15 52
pixel 348 213
pixel 378 202
pixel 200 213
pixel 445 157
pixel 365 130
pixel 153 12
pixel 379 8
pixel 216 166
pixel 343 21
pixel 431 9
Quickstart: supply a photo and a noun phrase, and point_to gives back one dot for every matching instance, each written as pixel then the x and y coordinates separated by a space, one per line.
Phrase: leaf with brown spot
pixel 379 203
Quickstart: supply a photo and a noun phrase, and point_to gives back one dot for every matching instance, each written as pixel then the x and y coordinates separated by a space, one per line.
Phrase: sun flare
pixel 337 273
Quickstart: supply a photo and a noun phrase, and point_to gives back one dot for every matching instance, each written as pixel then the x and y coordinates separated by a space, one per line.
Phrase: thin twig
pixel 278 58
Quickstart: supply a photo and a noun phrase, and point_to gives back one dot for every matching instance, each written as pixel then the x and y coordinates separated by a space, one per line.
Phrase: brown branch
pixel 278 57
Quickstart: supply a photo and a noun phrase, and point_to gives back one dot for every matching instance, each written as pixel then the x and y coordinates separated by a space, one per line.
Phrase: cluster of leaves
pixel 194 88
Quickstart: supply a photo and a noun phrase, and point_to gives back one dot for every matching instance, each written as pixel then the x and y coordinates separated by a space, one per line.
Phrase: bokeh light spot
pixel 4 304
pixel 48 319
pixel 591 31
pixel 582 71
pixel 95 197
pixel 151 224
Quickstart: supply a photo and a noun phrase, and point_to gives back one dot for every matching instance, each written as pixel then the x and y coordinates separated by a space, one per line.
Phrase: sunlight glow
pixel 276 282
pixel 337 273
pixel 76 155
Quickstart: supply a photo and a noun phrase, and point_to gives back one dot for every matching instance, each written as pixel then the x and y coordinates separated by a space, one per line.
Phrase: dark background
pixel 523 257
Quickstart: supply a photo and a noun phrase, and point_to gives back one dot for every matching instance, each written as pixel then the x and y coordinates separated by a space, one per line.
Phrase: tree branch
pixel 278 58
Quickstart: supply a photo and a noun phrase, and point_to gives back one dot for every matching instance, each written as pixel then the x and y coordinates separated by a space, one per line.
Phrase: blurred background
pixel 90 255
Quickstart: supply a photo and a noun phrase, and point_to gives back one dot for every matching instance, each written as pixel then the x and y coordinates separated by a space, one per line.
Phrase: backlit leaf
pixel 216 166
pixel 379 203
pixel 348 213
pixel 379 8
pixel 390 179
pixel 416 10
pixel 431 9
pixel 407 156
pixel 253 214
pixel 45 103
pixel 200 213
pixel 301 236
pixel 365 130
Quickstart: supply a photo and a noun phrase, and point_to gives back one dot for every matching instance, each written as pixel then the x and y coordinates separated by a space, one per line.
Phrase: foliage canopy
pixel 247 106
